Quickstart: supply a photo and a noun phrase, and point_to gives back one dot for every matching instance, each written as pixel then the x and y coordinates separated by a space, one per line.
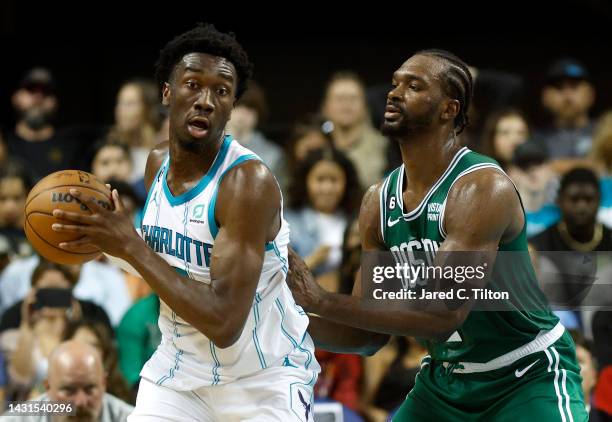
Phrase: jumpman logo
pixel 306 405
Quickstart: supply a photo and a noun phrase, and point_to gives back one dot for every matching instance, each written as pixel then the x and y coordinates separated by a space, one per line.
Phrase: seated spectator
pixel 602 155
pixel 503 132
pixel 568 96
pixel 32 328
pixel 389 375
pixel 248 114
pixel 577 231
pixel 97 334
pixel 15 184
pixel 36 140
pixel 323 196
pixel 352 132
pixel 537 185
pixel 138 336
pixel 99 282
pixel 76 375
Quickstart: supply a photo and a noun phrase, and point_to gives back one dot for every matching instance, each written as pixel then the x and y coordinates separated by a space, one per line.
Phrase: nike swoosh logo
pixel 522 371
pixel 392 223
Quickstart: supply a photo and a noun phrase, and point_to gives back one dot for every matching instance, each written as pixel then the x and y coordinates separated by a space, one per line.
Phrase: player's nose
pixel 204 101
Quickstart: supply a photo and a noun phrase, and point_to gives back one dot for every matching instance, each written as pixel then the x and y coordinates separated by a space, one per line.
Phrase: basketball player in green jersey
pixel 515 365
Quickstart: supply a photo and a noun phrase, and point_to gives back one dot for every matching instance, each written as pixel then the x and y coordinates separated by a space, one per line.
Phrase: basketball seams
pixel 54 246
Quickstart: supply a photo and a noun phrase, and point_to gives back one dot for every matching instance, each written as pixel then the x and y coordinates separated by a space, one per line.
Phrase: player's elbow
pixel 447 323
pixel 377 342
pixel 226 334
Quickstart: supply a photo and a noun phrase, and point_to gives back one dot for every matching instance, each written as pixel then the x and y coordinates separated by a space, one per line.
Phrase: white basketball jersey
pixel 182 230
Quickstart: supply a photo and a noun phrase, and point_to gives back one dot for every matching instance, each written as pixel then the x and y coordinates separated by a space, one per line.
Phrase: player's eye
pixel 222 91
pixel 191 84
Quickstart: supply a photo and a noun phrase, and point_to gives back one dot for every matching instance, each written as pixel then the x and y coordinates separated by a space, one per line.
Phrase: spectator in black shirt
pixel 35 140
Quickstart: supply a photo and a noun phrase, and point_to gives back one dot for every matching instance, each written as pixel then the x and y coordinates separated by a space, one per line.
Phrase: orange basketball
pixel 53 192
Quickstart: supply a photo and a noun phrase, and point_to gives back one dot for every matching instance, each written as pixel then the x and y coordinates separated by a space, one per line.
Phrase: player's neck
pixel 187 166
pixel 426 155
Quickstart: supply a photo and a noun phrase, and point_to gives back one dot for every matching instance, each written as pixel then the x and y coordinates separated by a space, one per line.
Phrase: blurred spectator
pixel 577 231
pixel 602 346
pixel 248 113
pixel 602 155
pixel 390 375
pixel 352 132
pixel 588 372
pixel 98 282
pixel 3 150
pixel 76 375
pixel 111 160
pixel 503 132
pixel 15 183
pixel 340 378
pixel 137 121
pixel 568 96
pixel 99 336
pixel 537 184
pixel 35 140
pixel 307 135
pixel 138 336
pixel 31 329
pixel 324 194
pixel 351 256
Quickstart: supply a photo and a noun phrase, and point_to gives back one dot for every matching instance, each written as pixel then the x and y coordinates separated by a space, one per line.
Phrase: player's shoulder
pixel 154 161
pixel 487 183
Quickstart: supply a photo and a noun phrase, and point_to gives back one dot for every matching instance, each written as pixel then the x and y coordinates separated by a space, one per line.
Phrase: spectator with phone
pixel 32 328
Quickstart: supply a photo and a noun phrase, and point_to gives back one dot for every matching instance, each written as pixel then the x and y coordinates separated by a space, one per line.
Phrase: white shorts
pixel 281 393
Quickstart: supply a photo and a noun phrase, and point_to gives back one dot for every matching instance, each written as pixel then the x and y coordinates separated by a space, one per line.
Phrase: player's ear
pixel 166 94
pixel 451 110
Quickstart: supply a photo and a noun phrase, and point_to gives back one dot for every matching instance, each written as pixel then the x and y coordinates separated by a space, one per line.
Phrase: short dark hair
pixel 458 83
pixel 204 38
pixel 14 169
pixel 45 266
pixel 579 175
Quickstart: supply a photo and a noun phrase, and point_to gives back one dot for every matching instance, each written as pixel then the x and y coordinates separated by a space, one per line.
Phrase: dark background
pixel 91 49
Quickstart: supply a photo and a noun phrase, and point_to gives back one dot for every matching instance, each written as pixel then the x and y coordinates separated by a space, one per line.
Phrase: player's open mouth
pixel 198 127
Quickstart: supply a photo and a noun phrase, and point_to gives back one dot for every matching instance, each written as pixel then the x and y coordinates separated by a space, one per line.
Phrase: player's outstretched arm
pixel 482 209
pixel 330 335
pixel 248 213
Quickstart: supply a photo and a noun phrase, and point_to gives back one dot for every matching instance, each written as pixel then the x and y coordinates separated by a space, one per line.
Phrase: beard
pixel 36 118
pixel 408 123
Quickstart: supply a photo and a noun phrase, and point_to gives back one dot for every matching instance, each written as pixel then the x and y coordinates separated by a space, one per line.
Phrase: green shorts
pixel 543 386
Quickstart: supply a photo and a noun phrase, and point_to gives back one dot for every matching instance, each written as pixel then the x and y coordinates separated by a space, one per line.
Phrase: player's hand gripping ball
pixel 53 192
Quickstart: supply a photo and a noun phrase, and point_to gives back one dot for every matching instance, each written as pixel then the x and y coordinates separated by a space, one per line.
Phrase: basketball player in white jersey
pixel 213 246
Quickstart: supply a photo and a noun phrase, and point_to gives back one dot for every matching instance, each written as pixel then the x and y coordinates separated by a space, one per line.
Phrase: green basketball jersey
pixel 485 335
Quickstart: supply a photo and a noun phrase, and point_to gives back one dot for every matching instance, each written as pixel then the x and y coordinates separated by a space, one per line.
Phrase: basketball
pixel 53 192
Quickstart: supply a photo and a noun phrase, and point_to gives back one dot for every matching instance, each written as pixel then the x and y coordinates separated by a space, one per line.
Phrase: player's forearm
pixel 349 310
pixel 340 338
pixel 206 308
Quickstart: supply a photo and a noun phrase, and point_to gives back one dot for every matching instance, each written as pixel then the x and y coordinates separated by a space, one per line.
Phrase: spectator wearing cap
pixel 250 111
pixel 537 185
pixel 568 96
pixel 35 139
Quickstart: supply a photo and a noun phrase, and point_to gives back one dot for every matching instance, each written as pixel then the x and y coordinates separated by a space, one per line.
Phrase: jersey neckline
pixel 411 215
pixel 203 183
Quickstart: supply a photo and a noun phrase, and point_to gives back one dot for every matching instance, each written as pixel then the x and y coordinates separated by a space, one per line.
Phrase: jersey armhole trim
pixel 468 170
pixel 383 206
pixel 153 185
pixel 212 222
